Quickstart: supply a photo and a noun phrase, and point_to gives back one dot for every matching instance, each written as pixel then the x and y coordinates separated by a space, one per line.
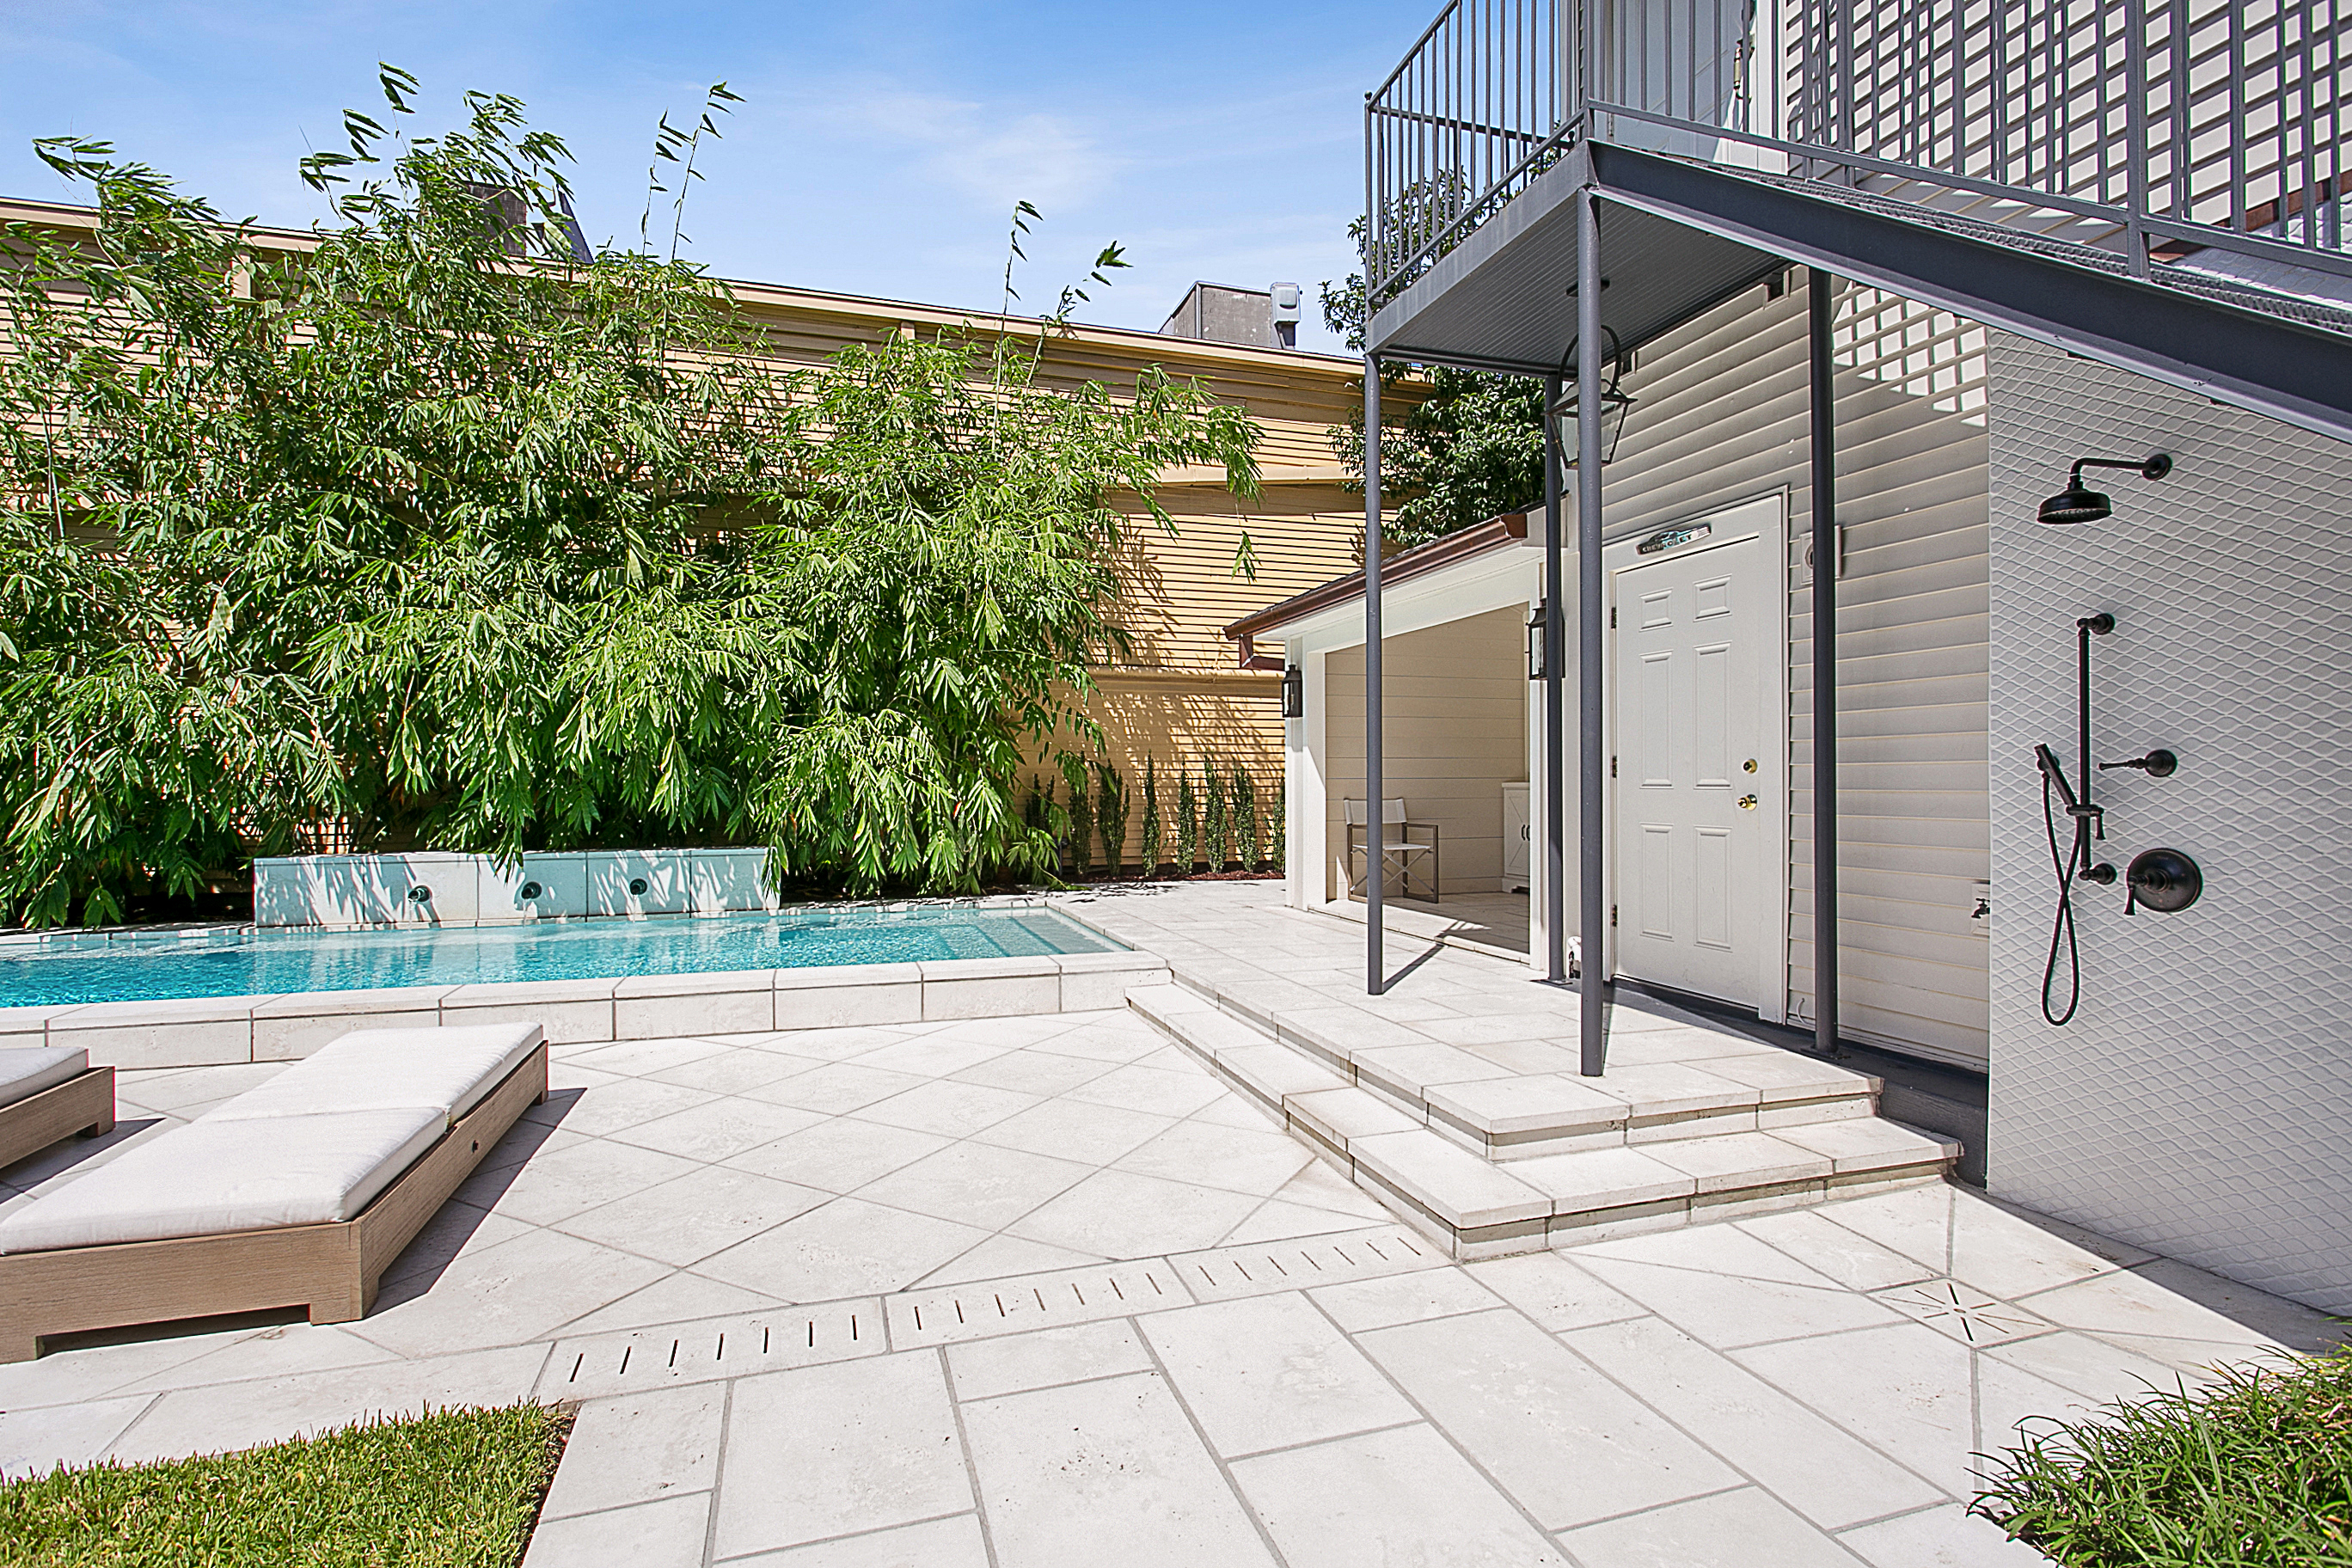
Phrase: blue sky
pixel 881 151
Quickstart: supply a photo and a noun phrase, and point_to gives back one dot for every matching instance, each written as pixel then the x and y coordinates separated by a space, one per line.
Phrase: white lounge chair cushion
pixel 380 1069
pixel 25 1070
pixel 209 1178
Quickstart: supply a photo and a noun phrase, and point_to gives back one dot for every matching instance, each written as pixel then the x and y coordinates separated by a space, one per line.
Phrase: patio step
pixel 1505 1114
pixel 1629 1174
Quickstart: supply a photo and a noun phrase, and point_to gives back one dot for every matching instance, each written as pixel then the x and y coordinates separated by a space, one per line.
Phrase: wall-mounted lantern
pixel 1539 643
pixel 1294 694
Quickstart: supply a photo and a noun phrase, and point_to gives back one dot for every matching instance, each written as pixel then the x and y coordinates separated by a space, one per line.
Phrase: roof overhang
pixel 1452 556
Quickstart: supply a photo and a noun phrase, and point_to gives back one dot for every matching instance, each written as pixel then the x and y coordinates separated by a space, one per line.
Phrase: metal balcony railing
pixel 2158 130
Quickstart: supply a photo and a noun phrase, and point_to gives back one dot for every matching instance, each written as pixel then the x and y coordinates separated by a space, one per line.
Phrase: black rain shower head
pixel 2076 504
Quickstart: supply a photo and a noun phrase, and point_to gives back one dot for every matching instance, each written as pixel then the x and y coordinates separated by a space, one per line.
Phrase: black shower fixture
pixel 2076 504
pixel 2165 881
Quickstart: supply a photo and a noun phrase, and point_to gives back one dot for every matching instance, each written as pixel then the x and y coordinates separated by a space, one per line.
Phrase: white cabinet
pixel 1517 842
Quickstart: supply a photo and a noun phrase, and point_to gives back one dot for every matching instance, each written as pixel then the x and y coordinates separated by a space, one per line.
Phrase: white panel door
pixel 1693 635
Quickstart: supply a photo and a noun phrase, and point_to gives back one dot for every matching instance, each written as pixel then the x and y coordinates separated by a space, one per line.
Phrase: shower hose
pixel 2061 928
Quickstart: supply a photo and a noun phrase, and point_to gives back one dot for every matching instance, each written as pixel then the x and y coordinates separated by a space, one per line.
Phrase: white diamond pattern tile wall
pixel 2200 1102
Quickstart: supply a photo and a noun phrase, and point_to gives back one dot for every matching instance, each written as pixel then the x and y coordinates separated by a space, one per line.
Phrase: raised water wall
pixel 344 892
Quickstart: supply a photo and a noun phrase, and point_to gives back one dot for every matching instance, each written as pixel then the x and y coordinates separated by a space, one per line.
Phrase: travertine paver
pixel 1315 1388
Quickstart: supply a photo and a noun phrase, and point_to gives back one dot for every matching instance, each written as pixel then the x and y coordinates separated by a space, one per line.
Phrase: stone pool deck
pixel 1027 1291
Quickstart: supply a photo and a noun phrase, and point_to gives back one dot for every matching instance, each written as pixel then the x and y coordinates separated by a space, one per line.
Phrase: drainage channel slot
pixel 695 1352
pixel 1232 1271
pixel 1031 1301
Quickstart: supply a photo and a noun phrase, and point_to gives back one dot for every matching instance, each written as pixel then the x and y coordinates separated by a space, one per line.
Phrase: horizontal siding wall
pixel 1455 706
pixel 1180 591
pixel 1721 414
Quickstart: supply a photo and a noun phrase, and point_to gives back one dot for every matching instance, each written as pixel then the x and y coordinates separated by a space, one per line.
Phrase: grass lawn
pixel 2254 1471
pixel 451 1488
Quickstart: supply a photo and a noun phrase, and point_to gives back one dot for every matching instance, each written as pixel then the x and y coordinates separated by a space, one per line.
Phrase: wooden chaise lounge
pixel 299 1193
pixel 48 1092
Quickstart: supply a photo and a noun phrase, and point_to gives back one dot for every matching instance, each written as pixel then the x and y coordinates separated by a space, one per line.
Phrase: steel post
pixel 1825 565
pixel 1555 756
pixel 1593 928
pixel 1375 970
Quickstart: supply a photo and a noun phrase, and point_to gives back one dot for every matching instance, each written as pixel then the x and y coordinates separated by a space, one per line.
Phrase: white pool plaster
pixel 1035 1290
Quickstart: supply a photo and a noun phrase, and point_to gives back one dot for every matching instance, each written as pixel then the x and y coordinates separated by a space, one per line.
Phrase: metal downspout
pixel 1825 567
pixel 1375 828
pixel 1592 941
pixel 1555 761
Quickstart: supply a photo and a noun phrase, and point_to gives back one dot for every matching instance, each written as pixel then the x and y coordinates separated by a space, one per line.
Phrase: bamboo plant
pixel 1082 824
pixel 442 531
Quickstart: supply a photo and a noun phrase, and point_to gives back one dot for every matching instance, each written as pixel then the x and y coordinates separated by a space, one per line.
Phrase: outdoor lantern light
pixel 1538 644
pixel 2076 504
pixel 1613 404
pixel 1294 694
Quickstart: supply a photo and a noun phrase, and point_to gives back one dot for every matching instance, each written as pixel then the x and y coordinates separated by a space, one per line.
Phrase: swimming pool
pixel 241 961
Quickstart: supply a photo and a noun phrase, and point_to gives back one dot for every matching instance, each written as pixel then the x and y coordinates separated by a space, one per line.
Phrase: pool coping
pixel 204 932
pixel 211 1031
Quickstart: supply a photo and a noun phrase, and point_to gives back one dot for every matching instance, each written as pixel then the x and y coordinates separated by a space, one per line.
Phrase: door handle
pixel 1747 803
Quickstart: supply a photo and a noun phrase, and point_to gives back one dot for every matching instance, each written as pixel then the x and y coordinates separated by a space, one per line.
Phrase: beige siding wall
pixel 1455 732
pixel 1181 590
pixel 1721 415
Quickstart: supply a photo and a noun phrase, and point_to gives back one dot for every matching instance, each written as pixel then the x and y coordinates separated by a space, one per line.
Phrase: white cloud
pixel 975 150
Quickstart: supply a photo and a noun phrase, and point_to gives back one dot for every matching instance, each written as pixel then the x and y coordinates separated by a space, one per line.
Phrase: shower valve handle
pixel 2159 763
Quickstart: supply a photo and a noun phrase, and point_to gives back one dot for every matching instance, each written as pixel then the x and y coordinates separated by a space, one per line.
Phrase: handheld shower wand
pixel 2080 862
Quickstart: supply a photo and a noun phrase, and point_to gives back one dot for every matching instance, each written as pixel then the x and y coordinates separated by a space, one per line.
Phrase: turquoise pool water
pixel 236 963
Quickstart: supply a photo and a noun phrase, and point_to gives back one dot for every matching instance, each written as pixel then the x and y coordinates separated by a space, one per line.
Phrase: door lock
pixel 1747 803
pixel 1748 767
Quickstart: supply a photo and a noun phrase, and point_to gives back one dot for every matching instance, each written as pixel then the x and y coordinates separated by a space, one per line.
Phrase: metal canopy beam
pixel 2256 362
pixel 1500 300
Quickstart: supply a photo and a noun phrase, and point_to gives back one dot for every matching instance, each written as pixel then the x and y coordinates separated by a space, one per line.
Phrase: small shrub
pixel 1216 824
pixel 1188 823
pixel 1110 811
pixel 2256 1469
pixel 1246 834
pixel 1152 825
